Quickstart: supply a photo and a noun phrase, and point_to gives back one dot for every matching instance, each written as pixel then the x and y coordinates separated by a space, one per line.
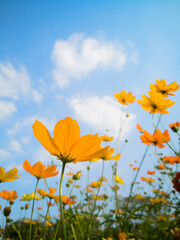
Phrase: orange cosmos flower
pixel 160 167
pixel 50 204
pixel 39 208
pixel 9 176
pixel 70 173
pixel 88 190
pixel 67 144
pixel 122 236
pixel 147 179
pixel 105 138
pixel 171 159
pixel 139 127
pixel 175 126
pixel 95 184
pixel 155 103
pixel 157 139
pixel 65 200
pixel 103 179
pixel 50 195
pixel 107 155
pixel 151 172
pixel 162 87
pixel 9 195
pixel 39 170
pixel 124 98
pixel 135 168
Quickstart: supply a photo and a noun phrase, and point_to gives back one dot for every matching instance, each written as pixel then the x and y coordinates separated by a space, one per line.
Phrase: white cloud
pixel 16 146
pixel 13 82
pixel 37 97
pixel 44 156
pixel 27 123
pixel 4 154
pixel 102 113
pixel 7 109
pixel 25 140
pixel 135 56
pixel 21 125
pixel 78 56
pixel 15 165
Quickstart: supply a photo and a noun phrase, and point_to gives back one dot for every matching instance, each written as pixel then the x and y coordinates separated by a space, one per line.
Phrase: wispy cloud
pixel 13 82
pixel 7 109
pixel 4 154
pixel 16 146
pixel 79 56
pixel 102 113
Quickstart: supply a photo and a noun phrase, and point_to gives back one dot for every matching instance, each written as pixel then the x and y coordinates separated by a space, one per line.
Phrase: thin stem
pixel 15 229
pixel 61 206
pixel 30 228
pixel 94 206
pixel 74 234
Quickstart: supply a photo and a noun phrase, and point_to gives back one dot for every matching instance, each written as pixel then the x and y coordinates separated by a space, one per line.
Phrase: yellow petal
pixel 11 175
pixel 2 172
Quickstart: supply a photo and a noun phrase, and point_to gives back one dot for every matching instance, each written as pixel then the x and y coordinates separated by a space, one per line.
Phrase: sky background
pixel 68 58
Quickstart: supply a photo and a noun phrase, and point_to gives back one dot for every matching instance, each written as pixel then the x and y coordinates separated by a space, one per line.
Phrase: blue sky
pixel 68 58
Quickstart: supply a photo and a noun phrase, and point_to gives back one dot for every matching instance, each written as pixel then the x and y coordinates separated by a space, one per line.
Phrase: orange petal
pixel 66 133
pixel 86 145
pixel 42 135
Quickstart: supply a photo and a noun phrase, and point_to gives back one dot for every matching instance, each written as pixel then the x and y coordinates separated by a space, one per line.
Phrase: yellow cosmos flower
pixel 29 221
pixel 29 197
pixel 119 180
pixel 124 98
pixel 106 138
pixel 67 144
pixel 155 103
pixel 45 194
pixel 9 176
pixel 139 197
pixel 107 155
pixel 165 89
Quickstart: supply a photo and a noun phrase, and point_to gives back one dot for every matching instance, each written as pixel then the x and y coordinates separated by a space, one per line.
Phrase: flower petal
pixel 66 133
pixel 43 136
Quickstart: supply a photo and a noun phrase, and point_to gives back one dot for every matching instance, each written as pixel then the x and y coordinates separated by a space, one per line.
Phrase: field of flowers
pixel 99 212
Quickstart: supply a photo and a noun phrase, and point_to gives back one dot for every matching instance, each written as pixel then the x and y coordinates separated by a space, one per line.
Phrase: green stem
pixel 142 160
pixel 61 206
pixel 94 206
pixel 46 216
pixel 30 228
pixel 74 234
pixel 15 229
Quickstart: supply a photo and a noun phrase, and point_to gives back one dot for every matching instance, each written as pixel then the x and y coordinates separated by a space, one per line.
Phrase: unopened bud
pixel 11 202
pixel 175 129
pixel 7 211
pixel 26 206
pixel 22 207
pixel 68 184
pixel 127 115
